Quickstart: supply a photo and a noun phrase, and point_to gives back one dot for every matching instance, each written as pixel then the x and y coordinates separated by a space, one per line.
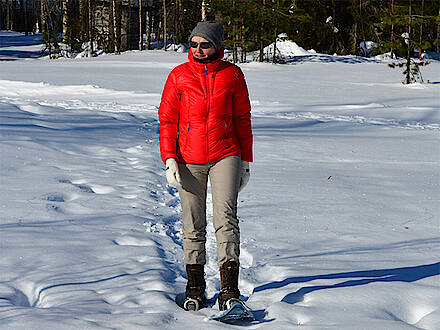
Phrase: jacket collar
pixel 205 67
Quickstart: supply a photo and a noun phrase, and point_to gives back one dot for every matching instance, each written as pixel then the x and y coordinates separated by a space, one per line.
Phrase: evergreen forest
pixel 327 26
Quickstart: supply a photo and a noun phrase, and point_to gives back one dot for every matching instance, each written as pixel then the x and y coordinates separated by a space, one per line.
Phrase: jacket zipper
pixel 209 105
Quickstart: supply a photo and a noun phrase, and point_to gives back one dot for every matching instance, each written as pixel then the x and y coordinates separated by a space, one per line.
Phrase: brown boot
pixel 196 285
pixel 229 283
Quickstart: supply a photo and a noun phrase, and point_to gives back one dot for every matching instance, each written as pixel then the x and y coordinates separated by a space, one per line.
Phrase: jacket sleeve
pixel 242 116
pixel 169 118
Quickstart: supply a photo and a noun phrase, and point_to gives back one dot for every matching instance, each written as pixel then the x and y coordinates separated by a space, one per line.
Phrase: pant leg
pixel 225 179
pixel 193 201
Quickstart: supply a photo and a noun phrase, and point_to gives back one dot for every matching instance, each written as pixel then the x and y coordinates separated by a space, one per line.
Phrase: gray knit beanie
pixel 211 31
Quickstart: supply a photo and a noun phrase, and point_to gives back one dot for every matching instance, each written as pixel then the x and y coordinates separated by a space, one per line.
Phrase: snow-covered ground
pixel 340 222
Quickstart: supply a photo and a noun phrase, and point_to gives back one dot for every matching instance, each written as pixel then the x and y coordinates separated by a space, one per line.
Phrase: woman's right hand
pixel 172 173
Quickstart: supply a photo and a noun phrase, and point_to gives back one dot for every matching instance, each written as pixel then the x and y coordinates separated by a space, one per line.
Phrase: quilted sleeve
pixel 169 118
pixel 242 116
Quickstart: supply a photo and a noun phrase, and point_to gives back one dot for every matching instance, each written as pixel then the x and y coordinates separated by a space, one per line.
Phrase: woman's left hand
pixel 244 175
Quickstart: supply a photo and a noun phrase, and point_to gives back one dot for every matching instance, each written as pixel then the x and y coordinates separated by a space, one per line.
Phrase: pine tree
pixel 407 17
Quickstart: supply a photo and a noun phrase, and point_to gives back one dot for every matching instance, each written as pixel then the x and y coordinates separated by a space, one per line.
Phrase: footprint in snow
pixel 133 241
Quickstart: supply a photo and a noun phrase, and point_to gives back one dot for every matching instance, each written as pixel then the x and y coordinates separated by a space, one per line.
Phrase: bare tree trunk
pixel 45 24
pixel 43 20
pixel 355 39
pixel 179 15
pixel 36 18
pixel 261 43
pixel 90 29
pixel 148 28
pixel 438 33
pixel 84 13
pixel 26 18
pixel 13 18
pixel 65 22
pixel 243 47
pixel 274 59
pixel 8 15
pixel 421 31
pixel 260 56
pixel 235 51
pixel 115 34
pixel 22 16
pixel 1 14
pixel 408 54
pixel 157 34
pixel 175 26
pixel 141 37
pixel 116 8
pixel 234 47
pixel 164 25
pixel 204 11
pixel 333 24
pixel 392 30
pixel 128 31
pixel 362 29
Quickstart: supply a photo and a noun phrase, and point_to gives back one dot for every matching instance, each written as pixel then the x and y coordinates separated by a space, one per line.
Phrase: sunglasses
pixel 203 45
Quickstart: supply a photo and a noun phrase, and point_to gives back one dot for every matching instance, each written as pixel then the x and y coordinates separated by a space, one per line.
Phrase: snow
pixel 286 50
pixel 367 47
pixel 339 223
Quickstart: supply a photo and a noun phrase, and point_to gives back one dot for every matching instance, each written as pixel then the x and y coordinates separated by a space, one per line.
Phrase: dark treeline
pixel 328 26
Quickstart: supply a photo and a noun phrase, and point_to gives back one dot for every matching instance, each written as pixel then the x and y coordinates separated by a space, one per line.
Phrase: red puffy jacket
pixel 204 113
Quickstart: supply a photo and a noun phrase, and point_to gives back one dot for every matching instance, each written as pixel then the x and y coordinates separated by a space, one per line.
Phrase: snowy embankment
pixel 339 224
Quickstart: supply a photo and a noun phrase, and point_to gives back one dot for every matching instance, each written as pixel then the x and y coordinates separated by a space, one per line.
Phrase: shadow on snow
pixel 13 55
pixel 405 274
pixel 20 40
pixel 323 58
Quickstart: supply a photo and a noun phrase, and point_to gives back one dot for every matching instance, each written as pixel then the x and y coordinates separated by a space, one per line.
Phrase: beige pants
pixel 224 177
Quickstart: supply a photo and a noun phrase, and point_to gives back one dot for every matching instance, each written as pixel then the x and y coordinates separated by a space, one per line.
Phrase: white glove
pixel 172 172
pixel 244 175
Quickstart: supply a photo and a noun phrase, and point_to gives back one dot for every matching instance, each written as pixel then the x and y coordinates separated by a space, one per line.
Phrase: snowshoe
pixel 236 311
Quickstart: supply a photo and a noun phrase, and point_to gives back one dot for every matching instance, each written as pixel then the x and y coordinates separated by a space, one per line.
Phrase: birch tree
pixel 65 21
pixel 204 11
pixel 148 24
pixel 90 28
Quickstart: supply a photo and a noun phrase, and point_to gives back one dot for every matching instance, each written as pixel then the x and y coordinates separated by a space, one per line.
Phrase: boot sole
pixel 192 304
